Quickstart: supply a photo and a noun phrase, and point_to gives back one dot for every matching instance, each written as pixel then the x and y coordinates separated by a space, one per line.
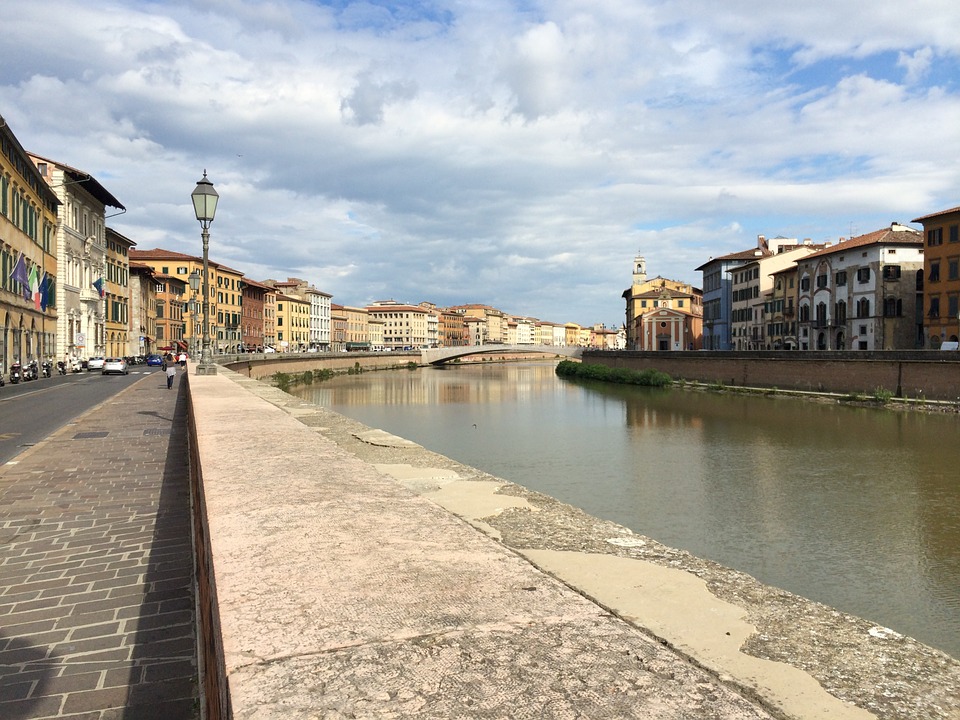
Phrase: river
pixel 858 508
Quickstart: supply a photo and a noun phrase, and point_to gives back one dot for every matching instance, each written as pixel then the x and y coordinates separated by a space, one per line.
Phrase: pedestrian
pixel 183 359
pixel 171 371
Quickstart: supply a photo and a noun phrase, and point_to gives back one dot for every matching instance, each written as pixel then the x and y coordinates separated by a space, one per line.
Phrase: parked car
pixel 95 363
pixel 154 361
pixel 114 366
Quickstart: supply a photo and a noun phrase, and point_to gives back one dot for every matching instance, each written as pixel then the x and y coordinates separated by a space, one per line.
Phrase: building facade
pixel 143 310
pixel 941 277
pixel 862 293
pixel 662 314
pixel 117 295
pixel 28 262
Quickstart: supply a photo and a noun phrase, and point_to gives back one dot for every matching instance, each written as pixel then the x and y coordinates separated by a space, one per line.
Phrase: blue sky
pixel 517 154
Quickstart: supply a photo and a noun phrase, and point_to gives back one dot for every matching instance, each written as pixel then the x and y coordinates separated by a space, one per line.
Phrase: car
pixel 154 361
pixel 114 366
pixel 95 363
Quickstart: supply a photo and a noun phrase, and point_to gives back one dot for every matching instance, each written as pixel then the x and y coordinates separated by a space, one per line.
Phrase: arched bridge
pixel 438 356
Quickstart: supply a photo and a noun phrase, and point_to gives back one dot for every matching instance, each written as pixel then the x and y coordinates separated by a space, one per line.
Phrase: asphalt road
pixel 31 411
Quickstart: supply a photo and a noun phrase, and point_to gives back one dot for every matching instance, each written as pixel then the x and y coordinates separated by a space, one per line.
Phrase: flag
pixel 99 286
pixel 20 275
pixel 35 286
pixel 45 291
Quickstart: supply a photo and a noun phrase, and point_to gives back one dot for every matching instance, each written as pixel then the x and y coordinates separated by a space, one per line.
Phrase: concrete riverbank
pixel 360 575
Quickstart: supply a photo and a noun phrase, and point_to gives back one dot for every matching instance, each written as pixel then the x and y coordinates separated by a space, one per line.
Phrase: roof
pixel 893 235
pixel 90 183
pixel 161 254
pixel 743 255
pixel 937 214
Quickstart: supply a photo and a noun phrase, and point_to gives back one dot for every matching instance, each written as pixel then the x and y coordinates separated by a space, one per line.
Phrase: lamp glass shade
pixel 194 280
pixel 205 200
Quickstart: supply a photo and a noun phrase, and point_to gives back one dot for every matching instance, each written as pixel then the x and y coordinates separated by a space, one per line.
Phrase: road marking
pixel 8 436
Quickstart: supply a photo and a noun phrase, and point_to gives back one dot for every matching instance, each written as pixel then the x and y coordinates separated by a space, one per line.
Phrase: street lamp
pixel 205 205
pixel 194 281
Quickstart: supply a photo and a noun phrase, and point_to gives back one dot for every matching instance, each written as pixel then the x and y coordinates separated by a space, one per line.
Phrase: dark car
pixel 154 361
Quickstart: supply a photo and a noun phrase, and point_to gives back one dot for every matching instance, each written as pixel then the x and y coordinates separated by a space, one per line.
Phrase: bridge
pixel 439 356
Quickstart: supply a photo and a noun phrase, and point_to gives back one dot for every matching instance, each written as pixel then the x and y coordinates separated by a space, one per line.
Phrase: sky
pixel 516 154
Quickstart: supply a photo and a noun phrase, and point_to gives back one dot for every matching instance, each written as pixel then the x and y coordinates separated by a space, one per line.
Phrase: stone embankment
pixel 349 588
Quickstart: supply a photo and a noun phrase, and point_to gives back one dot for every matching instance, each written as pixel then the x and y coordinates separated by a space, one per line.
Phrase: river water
pixel 857 508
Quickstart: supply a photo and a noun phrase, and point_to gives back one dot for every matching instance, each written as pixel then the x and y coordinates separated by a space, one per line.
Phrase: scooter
pixel 30 370
pixel 61 367
pixel 16 373
pixel 45 368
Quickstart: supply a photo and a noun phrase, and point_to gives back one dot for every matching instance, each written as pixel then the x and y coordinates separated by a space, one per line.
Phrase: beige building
pixel 143 310
pixel 117 296
pixel 82 260
pixel 357 332
pixel 404 326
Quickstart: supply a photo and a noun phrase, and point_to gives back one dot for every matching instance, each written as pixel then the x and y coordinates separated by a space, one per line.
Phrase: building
pixel 117 295
pixel 752 284
pixel 319 304
pixel 356 331
pixel 252 314
pixel 780 310
pixel 293 323
pixel 404 326
pixel 662 314
pixel 338 328
pixel 29 277
pixel 83 260
pixel 941 277
pixel 493 323
pixel 226 299
pixel 170 292
pixel 862 293
pixel 451 329
pixel 143 310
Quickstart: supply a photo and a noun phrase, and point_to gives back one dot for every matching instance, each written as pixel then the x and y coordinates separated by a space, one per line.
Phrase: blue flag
pixel 98 284
pixel 21 276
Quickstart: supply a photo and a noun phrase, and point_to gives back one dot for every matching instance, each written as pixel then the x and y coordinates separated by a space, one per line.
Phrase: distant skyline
pixel 515 154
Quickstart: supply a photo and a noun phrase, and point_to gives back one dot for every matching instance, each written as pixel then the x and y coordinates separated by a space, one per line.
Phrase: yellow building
pixel 226 299
pixel 117 294
pixel 662 314
pixel 357 330
pixel 28 260
pixel 293 323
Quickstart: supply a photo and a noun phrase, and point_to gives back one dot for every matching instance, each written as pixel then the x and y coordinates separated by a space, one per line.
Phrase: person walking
pixel 183 359
pixel 171 370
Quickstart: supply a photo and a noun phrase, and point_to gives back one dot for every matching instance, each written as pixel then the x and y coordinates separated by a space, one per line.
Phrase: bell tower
pixel 639 270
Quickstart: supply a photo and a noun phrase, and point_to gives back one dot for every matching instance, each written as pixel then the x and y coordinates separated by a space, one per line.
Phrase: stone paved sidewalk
pixel 96 566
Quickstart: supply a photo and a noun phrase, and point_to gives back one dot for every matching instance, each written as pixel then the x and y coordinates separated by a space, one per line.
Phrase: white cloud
pixel 518 155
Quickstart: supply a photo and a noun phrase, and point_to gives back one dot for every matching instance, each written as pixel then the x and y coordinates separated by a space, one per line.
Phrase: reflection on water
pixel 856 508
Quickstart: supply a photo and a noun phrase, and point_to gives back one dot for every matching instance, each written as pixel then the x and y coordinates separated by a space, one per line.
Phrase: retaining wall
pixel 926 375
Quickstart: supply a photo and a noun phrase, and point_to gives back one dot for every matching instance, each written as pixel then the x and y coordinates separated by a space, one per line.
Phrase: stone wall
pixel 926 375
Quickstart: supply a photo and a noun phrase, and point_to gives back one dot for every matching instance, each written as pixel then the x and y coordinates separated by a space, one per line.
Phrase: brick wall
pixel 931 375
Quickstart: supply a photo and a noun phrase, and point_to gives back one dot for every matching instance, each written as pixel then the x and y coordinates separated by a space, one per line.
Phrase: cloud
pixel 508 153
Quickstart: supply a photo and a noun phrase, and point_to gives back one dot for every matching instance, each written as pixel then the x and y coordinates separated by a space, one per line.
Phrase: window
pixel 891 272
pixel 804 313
pixel 840 312
pixel 805 283
pixel 863 275
pixel 953 269
pixel 181 270
pixel 953 306
pixel 934 306
pixel 954 234
pixel 863 308
pixel 821 314
pixel 863 329
pixel 842 278
pixel 935 271
pixel 892 307
pixel 822 280
pixel 935 237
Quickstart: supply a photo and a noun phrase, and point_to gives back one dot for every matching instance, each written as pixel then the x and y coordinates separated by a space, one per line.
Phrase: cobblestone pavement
pixel 96 566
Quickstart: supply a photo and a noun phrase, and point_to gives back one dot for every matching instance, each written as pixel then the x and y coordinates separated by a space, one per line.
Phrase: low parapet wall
pixel 264 365
pixel 920 375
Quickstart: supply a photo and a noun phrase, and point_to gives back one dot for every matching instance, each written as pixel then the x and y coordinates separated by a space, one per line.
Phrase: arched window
pixel 863 308
pixel 840 312
pixel 821 314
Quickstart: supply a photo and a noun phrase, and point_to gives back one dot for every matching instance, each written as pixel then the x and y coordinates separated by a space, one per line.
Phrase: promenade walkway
pixel 96 584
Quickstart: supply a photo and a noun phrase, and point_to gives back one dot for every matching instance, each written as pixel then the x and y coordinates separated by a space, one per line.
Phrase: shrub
pixel 882 395
pixel 281 380
pixel 623 376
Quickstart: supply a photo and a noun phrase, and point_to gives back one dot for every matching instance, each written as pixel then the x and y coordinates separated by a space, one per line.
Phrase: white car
pixel 116 366
pixel 95 363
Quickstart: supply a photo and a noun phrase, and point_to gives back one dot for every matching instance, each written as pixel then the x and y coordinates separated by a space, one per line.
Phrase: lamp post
pixel 205 205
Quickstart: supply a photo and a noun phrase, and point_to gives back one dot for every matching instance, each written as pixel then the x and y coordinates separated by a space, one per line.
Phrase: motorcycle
pixel 16 373
pixel 30 370
pixel 61 367
pixel 45 368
